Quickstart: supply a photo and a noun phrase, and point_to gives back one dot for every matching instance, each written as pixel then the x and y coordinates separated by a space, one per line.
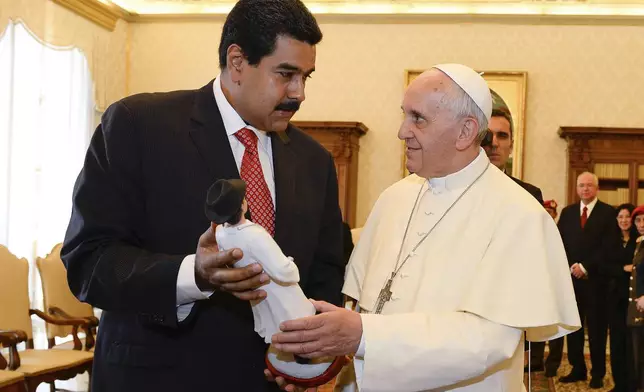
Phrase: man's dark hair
pixel 507 116
pixel 626 206
pixel 255 25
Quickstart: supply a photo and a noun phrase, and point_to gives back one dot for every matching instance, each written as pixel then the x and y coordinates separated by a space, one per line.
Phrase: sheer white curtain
pixel 46 120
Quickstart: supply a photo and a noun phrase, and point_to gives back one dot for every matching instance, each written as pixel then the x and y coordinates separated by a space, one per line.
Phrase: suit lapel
pixel 209 136
pixel 594 216
pixel 285 164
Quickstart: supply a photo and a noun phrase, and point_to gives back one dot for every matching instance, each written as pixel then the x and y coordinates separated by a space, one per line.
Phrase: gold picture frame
pixel 512 86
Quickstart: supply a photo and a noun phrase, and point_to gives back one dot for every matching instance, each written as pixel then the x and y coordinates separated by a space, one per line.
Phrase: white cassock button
pixel 403 275
pixel 421 233
pixel 631 278
pixel 412 253
pixel 429 213
pixel 630 289
pixel 630 300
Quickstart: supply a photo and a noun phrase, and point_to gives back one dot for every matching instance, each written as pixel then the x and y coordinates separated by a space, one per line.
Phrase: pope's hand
pixel 334 332
pixel 213 272
pixel 284 386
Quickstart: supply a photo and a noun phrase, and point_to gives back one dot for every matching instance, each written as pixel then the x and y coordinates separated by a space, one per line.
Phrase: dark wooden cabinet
pixel 615 155
pixel 342 140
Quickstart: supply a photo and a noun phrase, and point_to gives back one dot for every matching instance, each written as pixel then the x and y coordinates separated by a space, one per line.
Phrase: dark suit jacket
pixel 593 246
pixel 138 210
pixel 533 190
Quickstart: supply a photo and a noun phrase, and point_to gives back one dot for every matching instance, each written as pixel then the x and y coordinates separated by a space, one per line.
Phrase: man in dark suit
pixel 139 246
pixel 501 128
pixel 588 231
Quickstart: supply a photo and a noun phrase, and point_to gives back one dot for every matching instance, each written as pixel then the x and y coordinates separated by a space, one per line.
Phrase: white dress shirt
pixel 589 207
pixel 187 290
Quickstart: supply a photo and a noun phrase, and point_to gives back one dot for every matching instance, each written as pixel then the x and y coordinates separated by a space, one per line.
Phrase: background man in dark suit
pixel 502 129
pixel 139 245
pixel 589 233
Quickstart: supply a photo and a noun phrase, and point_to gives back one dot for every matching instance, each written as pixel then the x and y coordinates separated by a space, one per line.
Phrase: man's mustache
pixel 288 106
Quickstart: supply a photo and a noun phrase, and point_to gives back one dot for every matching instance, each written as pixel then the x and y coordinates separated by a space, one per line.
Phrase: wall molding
pixel 107 15
pixel 102 14
pixel 519 19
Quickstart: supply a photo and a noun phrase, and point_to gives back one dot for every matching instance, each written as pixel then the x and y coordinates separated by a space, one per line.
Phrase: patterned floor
pixel 539 383
pixel 582 385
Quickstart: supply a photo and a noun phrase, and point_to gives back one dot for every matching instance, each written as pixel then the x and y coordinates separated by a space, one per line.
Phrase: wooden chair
pixel 59 301
pixel 37 366
pixel 11 381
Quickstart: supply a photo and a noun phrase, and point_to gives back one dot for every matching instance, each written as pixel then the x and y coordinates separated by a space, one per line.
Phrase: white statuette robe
pixel 284 297
pixel 493 268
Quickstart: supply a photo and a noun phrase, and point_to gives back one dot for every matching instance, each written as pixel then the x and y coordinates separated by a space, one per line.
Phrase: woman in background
pixel 619 274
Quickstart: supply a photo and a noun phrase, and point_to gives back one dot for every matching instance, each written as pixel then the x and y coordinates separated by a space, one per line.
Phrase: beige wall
pixel 577 75
pixel 105 50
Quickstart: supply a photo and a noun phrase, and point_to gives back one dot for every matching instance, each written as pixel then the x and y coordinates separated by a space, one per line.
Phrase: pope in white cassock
pixel 454 264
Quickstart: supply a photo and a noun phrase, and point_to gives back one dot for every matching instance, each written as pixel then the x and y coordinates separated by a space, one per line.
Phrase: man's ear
pixel 235 62
pixel 468 133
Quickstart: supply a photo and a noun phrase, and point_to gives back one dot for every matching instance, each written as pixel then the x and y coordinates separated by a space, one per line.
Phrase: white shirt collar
pixel 238 226
pixel 232 120
pixel 461 178
pixel 590 206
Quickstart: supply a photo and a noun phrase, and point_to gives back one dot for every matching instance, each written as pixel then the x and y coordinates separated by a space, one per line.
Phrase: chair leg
pixel 52 386
pixel 32 385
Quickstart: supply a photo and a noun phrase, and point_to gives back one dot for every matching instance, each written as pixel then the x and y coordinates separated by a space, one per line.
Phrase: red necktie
pixel 584 217
pixel 258 196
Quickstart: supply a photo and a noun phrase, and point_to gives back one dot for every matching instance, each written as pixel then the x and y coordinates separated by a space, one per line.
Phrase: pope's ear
pixel 467 134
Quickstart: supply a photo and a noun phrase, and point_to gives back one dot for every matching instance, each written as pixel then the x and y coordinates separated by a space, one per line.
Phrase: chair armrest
pixel 58 320
pixel 56 311
pixel 11 339
pixel 8 339
pixel 73 322
pixel 91 323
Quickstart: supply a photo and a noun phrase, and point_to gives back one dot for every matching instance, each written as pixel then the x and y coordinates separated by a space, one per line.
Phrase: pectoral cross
pixel 385 294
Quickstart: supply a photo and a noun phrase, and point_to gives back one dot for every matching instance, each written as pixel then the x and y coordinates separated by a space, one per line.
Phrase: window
pixel 46 119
